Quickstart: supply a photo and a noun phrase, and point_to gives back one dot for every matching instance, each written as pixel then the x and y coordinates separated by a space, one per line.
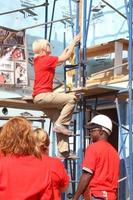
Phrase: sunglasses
pixel 94 129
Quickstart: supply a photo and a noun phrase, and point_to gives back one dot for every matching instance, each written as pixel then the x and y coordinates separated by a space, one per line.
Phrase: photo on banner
pixel 20 73
pixel 13 65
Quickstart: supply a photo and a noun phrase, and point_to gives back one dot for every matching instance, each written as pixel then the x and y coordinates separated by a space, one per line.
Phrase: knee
pixel 73 99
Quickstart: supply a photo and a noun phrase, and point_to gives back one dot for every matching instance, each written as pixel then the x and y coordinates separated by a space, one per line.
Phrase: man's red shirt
pixel 102 160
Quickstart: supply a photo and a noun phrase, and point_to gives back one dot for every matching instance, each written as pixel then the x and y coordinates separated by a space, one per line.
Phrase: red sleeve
pixel 89 162
pixel 47 193
pixel 52 61
pixel 64 178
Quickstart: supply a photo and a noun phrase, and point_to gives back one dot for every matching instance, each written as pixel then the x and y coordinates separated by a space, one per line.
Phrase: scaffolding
pixel 92 99
pixel 125 190
pixel 127 162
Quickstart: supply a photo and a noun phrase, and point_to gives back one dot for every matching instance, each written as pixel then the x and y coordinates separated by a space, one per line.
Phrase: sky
pixel 18 21
pixel 105 25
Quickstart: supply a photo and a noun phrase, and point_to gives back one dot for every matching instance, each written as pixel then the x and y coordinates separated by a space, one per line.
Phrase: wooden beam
pixel 37 119
pixel 105 48
pixel 95 90
pixel 89 92
pixel 118 57
pixel 21 104
pixel 80 14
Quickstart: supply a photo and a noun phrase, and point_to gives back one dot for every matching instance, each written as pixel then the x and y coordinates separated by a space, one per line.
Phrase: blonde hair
pixel 39 45
pixel 42 139
pixel 17 138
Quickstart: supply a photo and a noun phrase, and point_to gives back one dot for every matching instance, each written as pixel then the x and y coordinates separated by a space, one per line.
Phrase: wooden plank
pixel 107 80
pixel 118 57
pixel 80 14
pixel 37 119
pixel 102 92
pixel 95 90
pixel 21 104
pixel 107 77
pixel 121 97
pixel 105 48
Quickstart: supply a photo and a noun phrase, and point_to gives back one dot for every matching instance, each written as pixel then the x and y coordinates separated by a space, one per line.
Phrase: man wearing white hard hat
pixel 101 163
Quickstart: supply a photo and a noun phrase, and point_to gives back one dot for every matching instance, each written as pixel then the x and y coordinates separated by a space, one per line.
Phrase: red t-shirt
pixel 102 160
pixel 25 178
pixel 60 178
pixel 44 68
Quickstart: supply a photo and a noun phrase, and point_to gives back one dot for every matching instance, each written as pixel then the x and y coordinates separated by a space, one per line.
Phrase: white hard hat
pixel 103 121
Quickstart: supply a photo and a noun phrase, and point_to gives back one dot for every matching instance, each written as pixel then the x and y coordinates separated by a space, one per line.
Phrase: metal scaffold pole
pixel 83 74
pixel 77 48
pixel 46 20
pixel 130 60
pixel 129 12
pixel 81 23
pixel 79 115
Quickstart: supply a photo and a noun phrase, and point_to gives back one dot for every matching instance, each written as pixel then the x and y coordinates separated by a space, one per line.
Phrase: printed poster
pixel 13 65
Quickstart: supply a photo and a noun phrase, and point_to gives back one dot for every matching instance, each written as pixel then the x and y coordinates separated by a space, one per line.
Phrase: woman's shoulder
pixel 56 161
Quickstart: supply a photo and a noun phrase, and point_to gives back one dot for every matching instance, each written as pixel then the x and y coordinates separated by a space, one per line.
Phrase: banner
pixel 13 65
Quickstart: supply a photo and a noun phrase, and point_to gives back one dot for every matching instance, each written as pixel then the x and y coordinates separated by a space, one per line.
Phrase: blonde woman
pixel 57 106
pixel 24 172
pixel 60 178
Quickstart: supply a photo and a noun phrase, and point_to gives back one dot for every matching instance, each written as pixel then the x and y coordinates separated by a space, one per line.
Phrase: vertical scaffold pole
pixel 77 48
pixel 122 149
pixel 46 20
pixel 129 12
pixel 84 42
pixel 88 23
pixel 130 61
pixel 52 18
pixel 70 8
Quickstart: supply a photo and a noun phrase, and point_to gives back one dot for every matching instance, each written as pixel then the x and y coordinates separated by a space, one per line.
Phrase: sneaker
pixel 59 128
pixel 72 156
pixel 67 155
pixel 62 156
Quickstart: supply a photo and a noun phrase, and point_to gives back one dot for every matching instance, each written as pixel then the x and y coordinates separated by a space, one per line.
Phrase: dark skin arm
pixel 83 183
